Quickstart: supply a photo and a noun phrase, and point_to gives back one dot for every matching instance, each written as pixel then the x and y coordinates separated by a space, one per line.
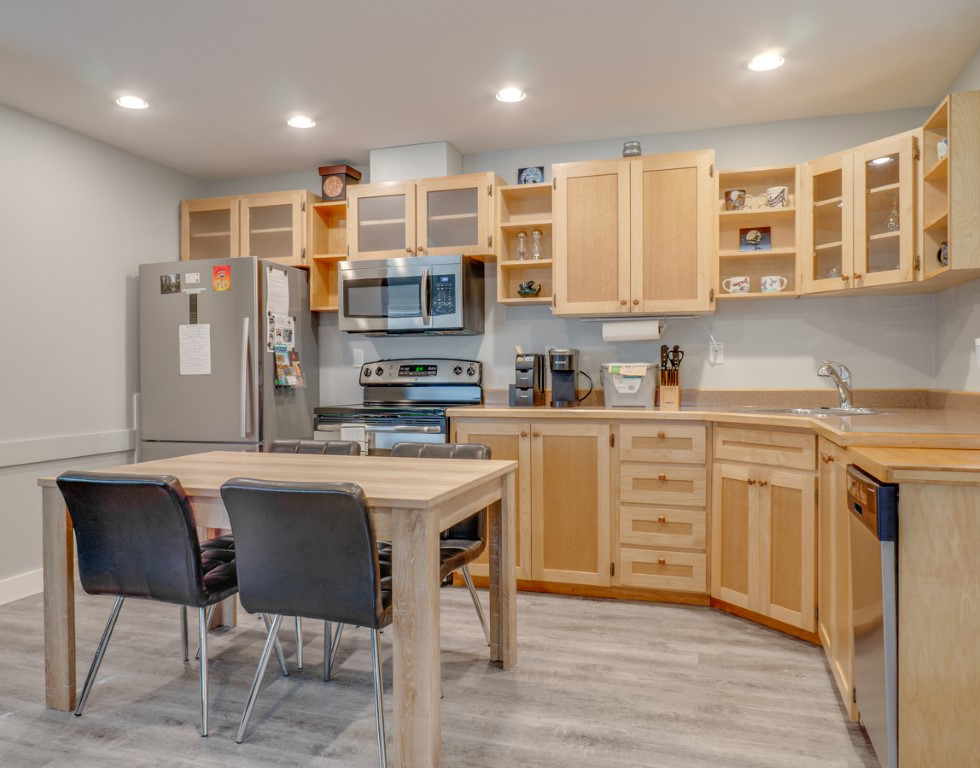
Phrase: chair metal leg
pixel 259 672
pixel 183 629
pixel 379 699
pixel 327 652
pixel 279 654
pixel 99 653
pixel 204 616
pixel 210 615
pixel 335 645
pixel 299 643
pixel 476 602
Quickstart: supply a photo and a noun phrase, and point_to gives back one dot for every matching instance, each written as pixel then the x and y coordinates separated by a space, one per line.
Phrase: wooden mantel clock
pixel 335 179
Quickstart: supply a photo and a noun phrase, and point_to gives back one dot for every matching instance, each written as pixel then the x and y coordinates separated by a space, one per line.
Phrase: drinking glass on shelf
pixel 521 246
pixel 536 244
pixel 892 223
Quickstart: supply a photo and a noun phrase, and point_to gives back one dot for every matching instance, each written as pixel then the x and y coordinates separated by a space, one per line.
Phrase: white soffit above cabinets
pixel 223 76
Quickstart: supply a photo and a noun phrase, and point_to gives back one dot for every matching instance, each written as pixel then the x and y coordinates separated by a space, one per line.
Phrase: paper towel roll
pixel 636 330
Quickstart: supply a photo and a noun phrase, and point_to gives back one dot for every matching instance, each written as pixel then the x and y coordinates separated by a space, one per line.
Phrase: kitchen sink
pixel 822 411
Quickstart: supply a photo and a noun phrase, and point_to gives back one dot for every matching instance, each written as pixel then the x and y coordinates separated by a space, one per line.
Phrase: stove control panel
pixel 422 371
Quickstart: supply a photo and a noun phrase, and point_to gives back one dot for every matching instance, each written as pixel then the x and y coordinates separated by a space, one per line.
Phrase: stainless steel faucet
pixel 841 376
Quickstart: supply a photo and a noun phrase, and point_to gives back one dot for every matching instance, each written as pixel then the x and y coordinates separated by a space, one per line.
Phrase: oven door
pixel 396 295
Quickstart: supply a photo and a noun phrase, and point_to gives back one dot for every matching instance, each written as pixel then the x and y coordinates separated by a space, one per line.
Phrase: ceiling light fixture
pixel 511 94
pixel 882 160
pixel 766 61
pixel 300 122
pixel 131 102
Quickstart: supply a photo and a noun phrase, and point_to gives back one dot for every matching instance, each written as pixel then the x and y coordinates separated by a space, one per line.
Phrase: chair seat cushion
pixel 453 555
pixel 220 576
pixel 219 542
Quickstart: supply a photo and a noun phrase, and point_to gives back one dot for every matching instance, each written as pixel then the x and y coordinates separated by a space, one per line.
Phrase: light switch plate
pixel 358 357
pixel 716 353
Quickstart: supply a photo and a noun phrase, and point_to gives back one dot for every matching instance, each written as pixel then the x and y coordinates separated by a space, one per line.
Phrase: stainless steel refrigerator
pixel 208 368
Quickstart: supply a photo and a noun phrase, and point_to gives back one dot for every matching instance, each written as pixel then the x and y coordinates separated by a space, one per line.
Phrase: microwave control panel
pixel 443 295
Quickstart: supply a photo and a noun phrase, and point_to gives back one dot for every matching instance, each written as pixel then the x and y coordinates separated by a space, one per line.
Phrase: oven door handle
pixel 432 430
pixel 424 296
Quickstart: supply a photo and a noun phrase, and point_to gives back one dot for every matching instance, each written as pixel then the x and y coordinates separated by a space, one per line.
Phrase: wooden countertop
pixel 918 465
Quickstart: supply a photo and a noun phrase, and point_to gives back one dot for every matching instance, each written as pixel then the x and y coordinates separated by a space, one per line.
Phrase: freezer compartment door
pixel 150 451
pixel 220 406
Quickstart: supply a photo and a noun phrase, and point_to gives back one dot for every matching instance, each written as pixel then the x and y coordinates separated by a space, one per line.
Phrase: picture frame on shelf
pixel 533 174
pixel 755 239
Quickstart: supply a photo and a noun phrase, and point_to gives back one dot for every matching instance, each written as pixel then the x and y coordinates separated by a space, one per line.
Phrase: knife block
pixel 670 394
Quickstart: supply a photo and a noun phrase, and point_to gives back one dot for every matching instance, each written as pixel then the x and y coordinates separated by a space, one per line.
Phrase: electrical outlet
pixel 716 353
pixel 358 357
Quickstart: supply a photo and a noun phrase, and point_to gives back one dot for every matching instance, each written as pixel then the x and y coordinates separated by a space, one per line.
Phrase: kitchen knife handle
pixel 244 377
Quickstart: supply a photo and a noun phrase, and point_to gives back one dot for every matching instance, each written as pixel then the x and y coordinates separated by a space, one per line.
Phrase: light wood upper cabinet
pixel 592 237
pixel 210 229
pixel 673 221
pixel 381 220
pixel 827 223
pixel 570 502
pixel 635 235
pixel 268 226
pixel 426 217
pixel 508 440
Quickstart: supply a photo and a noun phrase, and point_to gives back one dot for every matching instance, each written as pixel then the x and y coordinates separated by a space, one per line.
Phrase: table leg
pixel 503 580
pixel 416 684
pixel 59 601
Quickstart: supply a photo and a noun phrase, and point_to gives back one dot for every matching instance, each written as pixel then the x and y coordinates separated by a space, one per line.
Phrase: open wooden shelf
pixel 528 224
pixel 523 208
pixel 328 246
pixel 757 254
pixel 759 295
pixel 525 264
pixel 750 214
pixel 329 256
pixel 940 221
pixel 530 301
pixel 939 172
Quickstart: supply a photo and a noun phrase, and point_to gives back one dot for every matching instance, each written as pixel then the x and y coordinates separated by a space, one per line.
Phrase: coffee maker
pixel 564 376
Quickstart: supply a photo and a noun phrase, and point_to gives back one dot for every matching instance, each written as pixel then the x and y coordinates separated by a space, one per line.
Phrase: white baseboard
pixel 20 586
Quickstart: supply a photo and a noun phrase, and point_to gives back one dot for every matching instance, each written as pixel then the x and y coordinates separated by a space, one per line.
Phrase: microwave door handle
pixel 424 291
pixel 244 378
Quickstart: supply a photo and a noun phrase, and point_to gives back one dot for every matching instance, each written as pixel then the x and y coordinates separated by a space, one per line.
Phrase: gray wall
pixel 78 218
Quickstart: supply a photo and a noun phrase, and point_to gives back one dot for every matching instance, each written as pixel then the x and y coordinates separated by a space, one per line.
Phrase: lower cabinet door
pixel 735 557
pixel 570 503
pixel 510 440
pixel 788 532
pixel 662 569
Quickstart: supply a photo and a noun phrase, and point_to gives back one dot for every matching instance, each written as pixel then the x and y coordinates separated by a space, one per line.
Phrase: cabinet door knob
pixel 751 481
pixel 536 434
pixel 635 302
pixel 523 434
pixel 845 278
pixel 623 302
pixel 661 477
pixel 858 275
pixel 661 561
pixel 827 458
pixel 661 519
pixel 408 250
pixel 661 435
pixel 763 483
pixel 421 249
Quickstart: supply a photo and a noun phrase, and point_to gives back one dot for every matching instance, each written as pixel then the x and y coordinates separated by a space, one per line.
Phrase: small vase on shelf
pixel 536 244
pixel 521 246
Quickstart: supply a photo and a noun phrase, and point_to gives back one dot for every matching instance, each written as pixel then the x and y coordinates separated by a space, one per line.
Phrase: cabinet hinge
pixel 816 494
pixel 915 151
pixel 302 205
pixel 612 440
pixel 854 695
pixel 554 183
pixel 612 569
pixel 348 249
pixel 490 190
pixel 489 241
pixel 302 253
pixel 915 263
pixel 711 170
pixel 711 295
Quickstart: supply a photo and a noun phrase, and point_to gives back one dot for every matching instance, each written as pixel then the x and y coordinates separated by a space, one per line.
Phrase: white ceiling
pixel 222 76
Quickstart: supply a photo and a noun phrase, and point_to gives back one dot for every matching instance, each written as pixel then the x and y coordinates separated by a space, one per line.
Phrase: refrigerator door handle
pixel 244 378
pixel 424 290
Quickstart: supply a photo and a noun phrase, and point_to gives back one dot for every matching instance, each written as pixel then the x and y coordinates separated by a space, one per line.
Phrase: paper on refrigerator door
pixel 195 349
pixel 277 292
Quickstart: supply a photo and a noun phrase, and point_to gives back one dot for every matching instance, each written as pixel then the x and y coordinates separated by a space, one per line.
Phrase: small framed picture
pixel 755 239
pixel 531 175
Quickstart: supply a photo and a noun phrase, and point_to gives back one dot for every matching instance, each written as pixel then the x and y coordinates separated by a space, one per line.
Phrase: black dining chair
pixel 283 446
pixel 136 538
pixel 464 542
pixel 308 549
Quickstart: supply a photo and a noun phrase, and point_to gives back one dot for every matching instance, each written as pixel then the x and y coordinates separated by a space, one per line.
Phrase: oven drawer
pixel 663 569
pixel 667 484
pixel 662 526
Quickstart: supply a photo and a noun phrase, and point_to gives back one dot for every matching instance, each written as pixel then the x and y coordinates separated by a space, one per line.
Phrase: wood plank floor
pixel 599 683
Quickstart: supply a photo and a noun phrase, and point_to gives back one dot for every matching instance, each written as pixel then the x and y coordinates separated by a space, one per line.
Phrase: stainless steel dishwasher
pixel 874 591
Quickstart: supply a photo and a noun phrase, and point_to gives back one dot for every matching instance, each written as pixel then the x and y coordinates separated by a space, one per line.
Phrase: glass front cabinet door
pixel 828 242
pixel 274 226
pixel 209 229
pixel 454 215
pixel 381 220
pixel 884 212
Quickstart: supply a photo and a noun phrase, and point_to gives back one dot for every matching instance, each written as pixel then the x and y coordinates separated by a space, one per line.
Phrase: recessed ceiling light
pixel 300 122
pixel 882 160
pixel 131 102
pixel 766 61
pixel 510 94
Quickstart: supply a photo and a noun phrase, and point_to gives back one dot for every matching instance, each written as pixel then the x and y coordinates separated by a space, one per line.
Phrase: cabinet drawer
pixel 662 484
pixel 676 443
pixel 662 527
pixel 793 450
pixel 660 569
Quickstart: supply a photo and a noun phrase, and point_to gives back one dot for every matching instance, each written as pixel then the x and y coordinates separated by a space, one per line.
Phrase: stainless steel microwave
pixel 440 295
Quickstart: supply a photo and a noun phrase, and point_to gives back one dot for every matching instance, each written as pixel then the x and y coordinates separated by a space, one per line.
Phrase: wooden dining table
pixel 412 501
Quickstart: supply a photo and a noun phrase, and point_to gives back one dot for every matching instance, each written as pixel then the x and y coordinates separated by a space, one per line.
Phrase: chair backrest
pixel 473 528
pixel 305 549
pixel 283 446
pixel 311 446
pixel 135 535
pixel 343 448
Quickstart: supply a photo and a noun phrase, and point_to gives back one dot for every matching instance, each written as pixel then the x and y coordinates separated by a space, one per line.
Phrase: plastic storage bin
pixel 629 385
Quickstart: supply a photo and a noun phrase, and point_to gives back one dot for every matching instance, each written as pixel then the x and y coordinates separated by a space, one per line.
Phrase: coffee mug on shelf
pixel 775 197
pixel 736 199
pixel 736 284
pixel 942 147
pixel 773 283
